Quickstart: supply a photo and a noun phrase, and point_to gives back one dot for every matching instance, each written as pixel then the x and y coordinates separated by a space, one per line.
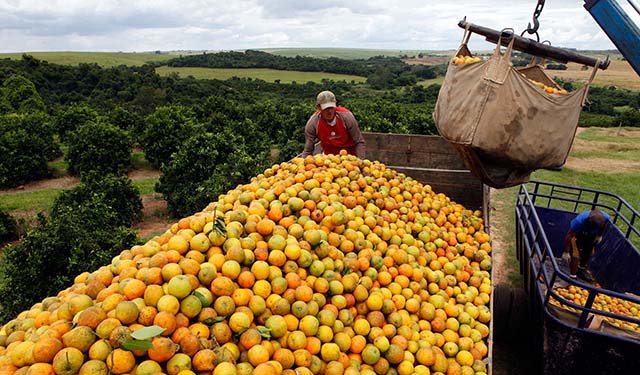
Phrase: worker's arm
pixel 353 129
pixel 571 253
pixel 310 134
pixel 571 245
pixel 574 247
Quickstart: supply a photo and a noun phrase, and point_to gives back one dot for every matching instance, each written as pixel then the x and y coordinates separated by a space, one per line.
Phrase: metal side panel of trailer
pixel 563 332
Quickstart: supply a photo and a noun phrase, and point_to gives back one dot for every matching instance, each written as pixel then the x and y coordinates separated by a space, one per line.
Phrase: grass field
pixel 39 200
pixel 433 81
pixel 619 73
pixel 269 75
pixel 104 59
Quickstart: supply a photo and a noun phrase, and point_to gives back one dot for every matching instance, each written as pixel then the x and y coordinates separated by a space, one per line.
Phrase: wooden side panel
pixel 425 151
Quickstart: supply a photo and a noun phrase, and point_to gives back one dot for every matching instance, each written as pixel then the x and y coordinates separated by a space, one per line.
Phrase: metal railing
pixel 540 265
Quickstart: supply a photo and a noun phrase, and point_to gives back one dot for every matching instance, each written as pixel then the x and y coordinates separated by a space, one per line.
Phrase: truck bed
pixel 572 335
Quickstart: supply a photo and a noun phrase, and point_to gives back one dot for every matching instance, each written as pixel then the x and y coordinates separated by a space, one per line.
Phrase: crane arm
pixel 619 27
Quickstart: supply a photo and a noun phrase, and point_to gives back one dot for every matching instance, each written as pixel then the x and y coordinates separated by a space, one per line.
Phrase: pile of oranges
pixel 548 89
pixel 602 302
pixel 323 265
pixel 460 60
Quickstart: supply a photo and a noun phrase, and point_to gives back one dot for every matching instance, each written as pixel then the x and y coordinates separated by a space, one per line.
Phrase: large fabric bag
pixel 504 126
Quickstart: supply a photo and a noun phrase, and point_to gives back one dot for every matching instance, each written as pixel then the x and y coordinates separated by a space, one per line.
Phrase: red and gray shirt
pixel 344 134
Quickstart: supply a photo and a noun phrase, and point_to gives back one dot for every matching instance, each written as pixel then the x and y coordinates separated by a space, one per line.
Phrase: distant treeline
pixel 140 89
pixel 381 71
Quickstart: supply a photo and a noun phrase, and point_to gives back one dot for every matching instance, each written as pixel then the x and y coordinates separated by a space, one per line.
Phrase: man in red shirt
pixel 335 127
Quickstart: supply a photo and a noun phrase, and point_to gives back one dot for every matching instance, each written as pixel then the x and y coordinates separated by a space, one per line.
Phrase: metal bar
pixel 532 47
pixel 619 27
pixel 585 313
pixel 634 5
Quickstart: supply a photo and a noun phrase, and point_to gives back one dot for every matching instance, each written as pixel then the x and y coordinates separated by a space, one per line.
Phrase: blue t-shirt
pixel 580 224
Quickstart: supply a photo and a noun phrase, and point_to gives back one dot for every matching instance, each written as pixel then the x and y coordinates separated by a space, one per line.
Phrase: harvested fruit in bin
pixel 460 60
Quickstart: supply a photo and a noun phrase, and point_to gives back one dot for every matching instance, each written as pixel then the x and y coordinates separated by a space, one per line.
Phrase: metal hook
pixel 533 29
pixel 536 24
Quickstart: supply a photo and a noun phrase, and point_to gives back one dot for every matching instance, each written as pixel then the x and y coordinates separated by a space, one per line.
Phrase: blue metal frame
pixel 534 250
pixel 621 29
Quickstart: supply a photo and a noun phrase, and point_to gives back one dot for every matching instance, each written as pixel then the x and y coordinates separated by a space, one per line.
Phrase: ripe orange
pixel 68 361
pixel 163 349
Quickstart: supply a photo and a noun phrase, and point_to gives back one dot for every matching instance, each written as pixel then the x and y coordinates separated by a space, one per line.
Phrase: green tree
pixel 629 117
pixel 207 165
pixel 78 238
pixel 99 147
pixel 21 94
pixel 165 131
pixel 126 120
pixel 43 130
pixel 116 192
pixel 8 226
pixel 72 117
pixel 25 146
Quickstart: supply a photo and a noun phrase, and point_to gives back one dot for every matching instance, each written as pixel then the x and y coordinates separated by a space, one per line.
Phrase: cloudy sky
pixel 148 25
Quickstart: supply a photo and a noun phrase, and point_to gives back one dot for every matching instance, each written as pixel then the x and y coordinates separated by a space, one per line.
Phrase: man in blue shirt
pixel 585 232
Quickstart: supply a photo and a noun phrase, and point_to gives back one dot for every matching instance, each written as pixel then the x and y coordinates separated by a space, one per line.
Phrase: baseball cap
pixel 326 99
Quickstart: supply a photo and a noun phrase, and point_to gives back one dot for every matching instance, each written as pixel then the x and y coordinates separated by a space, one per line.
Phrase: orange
pixel 249 338
pixel 163 349
pixel 126 312
pixel 224 305
pixel 148 367
pixel 285 357
pixel 358 344
pixel 246 279
pixel 258 354
pixel 68 361
pixel 120 361
pixel 100 350
pixel 265 226
pixel 167 321
pixel 179 286
pixel 222 286
pixel 190 344
pixel 204 360
pixel 45 349
pixel 241 296
pixel 81 337
pixel 239 321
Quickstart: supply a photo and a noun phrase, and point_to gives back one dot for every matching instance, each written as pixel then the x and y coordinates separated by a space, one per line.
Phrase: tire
pixel 501 310
pixel 518 316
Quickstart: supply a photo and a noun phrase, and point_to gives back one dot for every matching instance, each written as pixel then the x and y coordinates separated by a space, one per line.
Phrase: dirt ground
pixel 154 220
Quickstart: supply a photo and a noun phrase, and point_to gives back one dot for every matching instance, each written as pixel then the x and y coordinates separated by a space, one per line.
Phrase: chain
pixel 536 13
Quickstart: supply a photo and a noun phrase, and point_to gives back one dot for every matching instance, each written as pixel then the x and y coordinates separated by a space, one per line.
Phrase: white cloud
pixel 145 25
